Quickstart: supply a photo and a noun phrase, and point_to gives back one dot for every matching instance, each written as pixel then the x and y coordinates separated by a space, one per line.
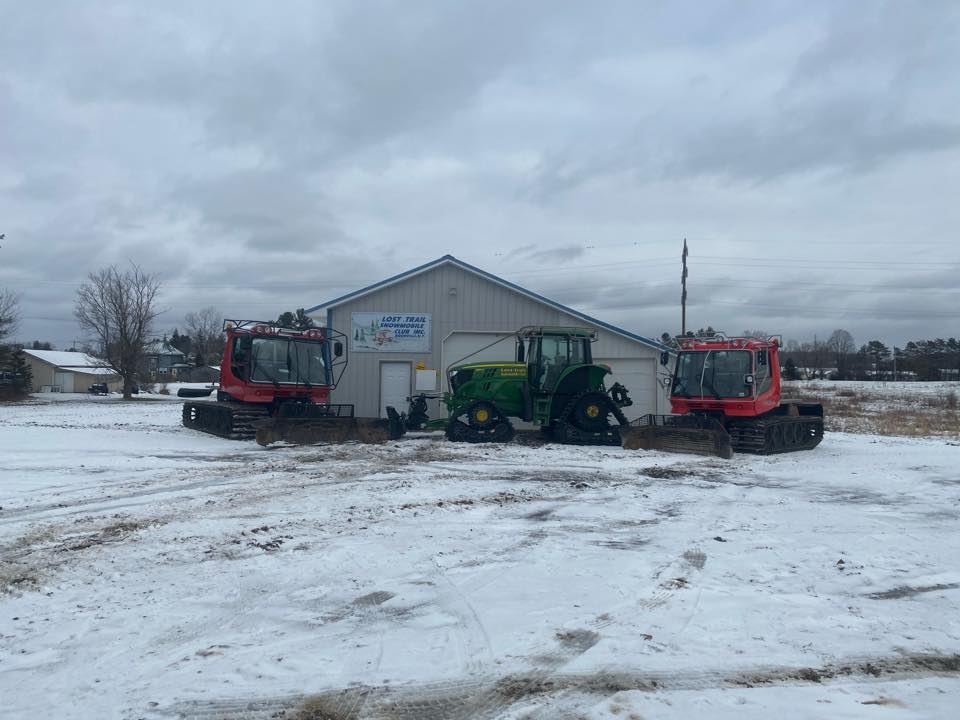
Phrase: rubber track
pixel 756 436
pixel 569 434
pixel 459 431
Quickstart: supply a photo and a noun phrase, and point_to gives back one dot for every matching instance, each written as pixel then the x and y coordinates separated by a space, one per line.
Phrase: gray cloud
pixel 537 255
pixel 263 157
pixel 266 210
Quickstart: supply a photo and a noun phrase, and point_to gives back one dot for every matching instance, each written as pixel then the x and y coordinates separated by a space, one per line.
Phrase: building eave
pixel 451 260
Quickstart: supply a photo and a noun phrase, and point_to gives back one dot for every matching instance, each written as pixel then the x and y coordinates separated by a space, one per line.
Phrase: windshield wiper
pixel 256 366
pixel 704 383
pixel 299 377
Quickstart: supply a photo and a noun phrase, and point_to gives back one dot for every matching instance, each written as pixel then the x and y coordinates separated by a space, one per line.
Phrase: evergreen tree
pixel 23 375
pixel 302 320
pixel 180 342
pixel 790 370
pixel 298 320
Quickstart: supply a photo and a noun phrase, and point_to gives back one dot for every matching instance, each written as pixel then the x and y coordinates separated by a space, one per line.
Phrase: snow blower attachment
pixel 275 385
pixel 696 434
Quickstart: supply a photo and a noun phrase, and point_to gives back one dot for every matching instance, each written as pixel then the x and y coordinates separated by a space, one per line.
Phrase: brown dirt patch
pixel 908 591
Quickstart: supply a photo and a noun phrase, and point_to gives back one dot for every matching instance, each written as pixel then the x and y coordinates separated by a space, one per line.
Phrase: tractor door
pixel 554 357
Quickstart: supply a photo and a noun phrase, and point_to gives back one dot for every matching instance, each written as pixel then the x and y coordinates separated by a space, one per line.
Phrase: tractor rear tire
pixel 590 412
pixel 502 432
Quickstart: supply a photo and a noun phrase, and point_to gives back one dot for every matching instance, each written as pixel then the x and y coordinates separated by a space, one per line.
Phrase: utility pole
pixel 683 295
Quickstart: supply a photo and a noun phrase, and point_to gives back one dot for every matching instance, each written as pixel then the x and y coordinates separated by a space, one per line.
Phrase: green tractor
pixel 553 383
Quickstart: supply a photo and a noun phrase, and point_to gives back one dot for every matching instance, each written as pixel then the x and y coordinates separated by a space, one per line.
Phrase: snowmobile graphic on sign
pixel 390 332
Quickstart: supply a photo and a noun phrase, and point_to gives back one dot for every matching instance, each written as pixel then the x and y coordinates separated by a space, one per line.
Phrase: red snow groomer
pixel 275 384
pixel 726 396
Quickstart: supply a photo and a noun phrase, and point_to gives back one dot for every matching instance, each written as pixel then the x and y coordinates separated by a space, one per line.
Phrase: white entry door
pixel 394 386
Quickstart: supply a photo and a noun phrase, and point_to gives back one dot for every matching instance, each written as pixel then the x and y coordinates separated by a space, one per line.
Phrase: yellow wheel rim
pixel 593 411
pixel 481 415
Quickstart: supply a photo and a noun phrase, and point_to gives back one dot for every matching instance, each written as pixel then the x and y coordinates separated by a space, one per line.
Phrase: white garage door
pixel 64 380
pixel 638 375
pixel 461 344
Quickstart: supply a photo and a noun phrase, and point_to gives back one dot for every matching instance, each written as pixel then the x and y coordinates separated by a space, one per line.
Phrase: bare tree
pixel 118 307
pixel 206 334
pixel 841 346
pixel 9 313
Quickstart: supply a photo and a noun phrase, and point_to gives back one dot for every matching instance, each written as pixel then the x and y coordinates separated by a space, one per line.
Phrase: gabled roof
pixel 76 361
pixel 451 260
pixel 159 347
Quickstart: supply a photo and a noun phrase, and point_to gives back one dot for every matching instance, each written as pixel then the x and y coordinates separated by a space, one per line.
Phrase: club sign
pixel 390 332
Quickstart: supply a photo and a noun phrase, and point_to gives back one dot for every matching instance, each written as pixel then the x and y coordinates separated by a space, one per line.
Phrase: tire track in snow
pixel 489 697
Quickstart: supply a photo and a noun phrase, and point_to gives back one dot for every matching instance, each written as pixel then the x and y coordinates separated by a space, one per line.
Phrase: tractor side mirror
pixel 664 358
pixel 520 352
pixel 748 380
pixel 337 349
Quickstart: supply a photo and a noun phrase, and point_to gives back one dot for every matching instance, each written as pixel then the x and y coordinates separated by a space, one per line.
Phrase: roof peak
pixel 493 278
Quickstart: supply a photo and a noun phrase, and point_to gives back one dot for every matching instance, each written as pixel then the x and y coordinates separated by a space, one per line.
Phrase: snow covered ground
pixel 147 571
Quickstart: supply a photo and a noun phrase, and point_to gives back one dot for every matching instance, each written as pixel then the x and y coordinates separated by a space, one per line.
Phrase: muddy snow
pixel 148 571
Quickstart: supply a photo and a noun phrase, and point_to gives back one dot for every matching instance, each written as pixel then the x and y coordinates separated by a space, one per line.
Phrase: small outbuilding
pixel 405 331
pixel 65 371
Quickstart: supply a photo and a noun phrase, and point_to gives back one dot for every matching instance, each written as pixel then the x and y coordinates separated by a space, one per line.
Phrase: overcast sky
pixel 263 156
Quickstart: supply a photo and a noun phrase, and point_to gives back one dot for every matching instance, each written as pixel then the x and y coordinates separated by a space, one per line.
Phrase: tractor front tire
pixel 483 415
pixel 457 431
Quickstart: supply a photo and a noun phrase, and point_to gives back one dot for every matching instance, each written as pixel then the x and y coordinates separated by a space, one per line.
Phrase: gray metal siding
pixel 479 304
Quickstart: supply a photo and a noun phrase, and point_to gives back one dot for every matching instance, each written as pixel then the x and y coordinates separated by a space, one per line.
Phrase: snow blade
pixel 678 433
pixel 194 392
pixel 309 431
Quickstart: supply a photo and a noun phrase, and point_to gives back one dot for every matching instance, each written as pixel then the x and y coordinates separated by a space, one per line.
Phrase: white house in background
pixel 62 371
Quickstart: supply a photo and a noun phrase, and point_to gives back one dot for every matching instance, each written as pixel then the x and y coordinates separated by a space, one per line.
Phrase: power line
pixel 707 260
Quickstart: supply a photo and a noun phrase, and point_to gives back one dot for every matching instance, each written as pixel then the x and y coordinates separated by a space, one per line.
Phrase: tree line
pixel 839 358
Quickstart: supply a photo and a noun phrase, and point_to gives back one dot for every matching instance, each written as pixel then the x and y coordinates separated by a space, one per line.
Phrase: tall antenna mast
pixel 683 295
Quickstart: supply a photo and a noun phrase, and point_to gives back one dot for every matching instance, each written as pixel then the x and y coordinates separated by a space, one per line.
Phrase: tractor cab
pixel 549 352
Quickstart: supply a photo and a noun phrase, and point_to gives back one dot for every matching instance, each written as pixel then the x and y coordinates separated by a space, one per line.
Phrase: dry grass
pixel 884 411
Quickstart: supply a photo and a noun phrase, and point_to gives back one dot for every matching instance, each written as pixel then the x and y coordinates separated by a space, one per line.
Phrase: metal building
pixel 405 331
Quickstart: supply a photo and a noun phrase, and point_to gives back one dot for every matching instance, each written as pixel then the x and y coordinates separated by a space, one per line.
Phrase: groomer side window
pixel 763 377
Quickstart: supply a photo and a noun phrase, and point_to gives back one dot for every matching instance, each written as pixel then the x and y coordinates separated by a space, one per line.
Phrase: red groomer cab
pixel 275 384
pixel 725 393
